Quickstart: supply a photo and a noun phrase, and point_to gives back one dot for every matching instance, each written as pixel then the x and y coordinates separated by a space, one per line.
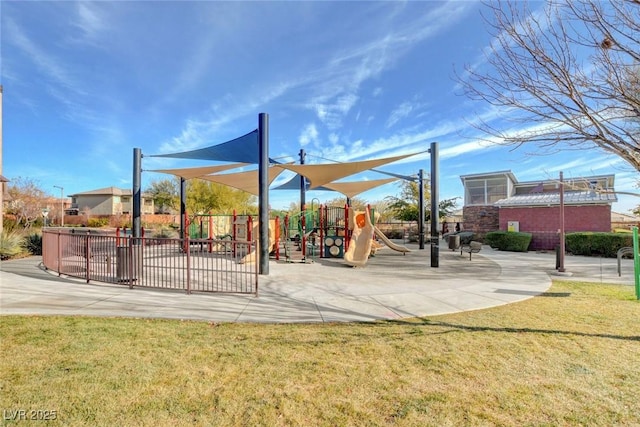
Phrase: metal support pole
pixel 435 248
pixel 136 225
pixel 183 207
pixel 562 249
pixel 263 195
pixel 421 208
pixel 636 262
pixel 303 202
pixel 303 182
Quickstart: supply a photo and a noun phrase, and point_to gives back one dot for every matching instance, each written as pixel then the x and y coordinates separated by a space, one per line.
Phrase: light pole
pixel 61 204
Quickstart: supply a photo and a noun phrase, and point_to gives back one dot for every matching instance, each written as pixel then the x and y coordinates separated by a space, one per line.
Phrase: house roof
pixel 577 184
pixel 109 191
pixel 551 199
pixel 497 174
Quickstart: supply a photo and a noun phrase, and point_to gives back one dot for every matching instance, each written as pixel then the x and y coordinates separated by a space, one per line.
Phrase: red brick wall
pixel 544 222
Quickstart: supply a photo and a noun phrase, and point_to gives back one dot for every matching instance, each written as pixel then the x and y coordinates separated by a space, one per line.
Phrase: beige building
pixel 107 201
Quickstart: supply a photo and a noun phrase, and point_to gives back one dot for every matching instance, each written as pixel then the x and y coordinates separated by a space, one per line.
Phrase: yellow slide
pixel 361 238
pixel 389 243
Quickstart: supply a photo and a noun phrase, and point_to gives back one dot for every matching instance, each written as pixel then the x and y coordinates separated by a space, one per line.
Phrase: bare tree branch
pixel 570 74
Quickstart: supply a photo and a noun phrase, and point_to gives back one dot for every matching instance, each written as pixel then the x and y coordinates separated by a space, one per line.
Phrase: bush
pixel 33 244
pixel 97 222
pixel 10 244
pixel 9 224
pixel 508 240
pixel 593 243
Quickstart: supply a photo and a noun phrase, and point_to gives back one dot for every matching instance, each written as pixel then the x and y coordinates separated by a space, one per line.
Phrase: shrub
pixel 9 223
pixel 508 240
pixel 97 222
pixel 10 244
pixel 594 243
pixel 33 244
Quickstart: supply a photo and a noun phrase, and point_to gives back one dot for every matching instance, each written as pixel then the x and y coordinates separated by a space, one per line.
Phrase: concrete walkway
pixel 390 286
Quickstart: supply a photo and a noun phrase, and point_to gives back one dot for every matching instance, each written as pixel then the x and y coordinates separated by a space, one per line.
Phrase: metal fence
pixel 193 265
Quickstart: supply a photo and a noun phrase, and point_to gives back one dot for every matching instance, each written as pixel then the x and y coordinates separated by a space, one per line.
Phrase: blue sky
pixel 86 82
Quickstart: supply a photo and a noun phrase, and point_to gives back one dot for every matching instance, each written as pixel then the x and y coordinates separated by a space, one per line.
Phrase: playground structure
pixel 332 232
pixel 322 232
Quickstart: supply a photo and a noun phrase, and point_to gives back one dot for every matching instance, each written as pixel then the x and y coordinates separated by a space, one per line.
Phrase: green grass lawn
pixel 568 357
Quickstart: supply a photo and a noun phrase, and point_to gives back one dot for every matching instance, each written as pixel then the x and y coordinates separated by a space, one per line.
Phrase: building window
pixel 485 191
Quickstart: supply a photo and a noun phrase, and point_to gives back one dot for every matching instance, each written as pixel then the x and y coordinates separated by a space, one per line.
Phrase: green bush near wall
pixel 508 240
pixel 97 222
pixel 597 244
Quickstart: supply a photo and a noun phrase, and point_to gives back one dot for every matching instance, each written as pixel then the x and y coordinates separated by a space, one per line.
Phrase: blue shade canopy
pixel 242 149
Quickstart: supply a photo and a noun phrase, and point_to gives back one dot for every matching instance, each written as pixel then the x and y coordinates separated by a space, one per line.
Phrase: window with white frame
pixel 485 191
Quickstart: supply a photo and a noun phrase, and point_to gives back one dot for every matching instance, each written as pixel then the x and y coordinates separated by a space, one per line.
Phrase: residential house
pixel 108 201
pixel 498 201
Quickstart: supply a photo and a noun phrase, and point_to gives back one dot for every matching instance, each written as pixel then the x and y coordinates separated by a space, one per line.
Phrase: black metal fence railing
pixel 193 265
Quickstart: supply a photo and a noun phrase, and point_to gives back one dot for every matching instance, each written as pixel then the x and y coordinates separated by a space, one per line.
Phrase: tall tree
pixel 166 194
pixel 569 72
pixel 26 201
pixel 205 196
pixel 405 206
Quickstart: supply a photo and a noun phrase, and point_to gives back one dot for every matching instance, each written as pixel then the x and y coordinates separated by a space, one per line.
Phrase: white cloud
pixel 399 113
pixel 90 18
pixel 309 135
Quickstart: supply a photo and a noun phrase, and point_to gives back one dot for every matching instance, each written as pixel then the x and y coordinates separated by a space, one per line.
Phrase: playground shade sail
pixel 242 149
pixel 197 172
pixel 319 175
pixel 246 181
pixel 352 189
pixel 294 184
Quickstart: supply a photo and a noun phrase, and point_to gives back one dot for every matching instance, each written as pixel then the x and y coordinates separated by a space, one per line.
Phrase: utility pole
pixel 61 204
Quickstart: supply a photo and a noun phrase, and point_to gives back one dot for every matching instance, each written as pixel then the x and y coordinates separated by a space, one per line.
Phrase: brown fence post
pixel 188 252
pixel 87 255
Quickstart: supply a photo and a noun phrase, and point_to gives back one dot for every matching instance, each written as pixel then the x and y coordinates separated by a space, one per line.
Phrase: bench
pixel 472 248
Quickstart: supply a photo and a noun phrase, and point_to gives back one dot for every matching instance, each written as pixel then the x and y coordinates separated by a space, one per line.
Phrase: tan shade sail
pixel 246 181
pixel 319 175
pixel 352 189
pixel 189 173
